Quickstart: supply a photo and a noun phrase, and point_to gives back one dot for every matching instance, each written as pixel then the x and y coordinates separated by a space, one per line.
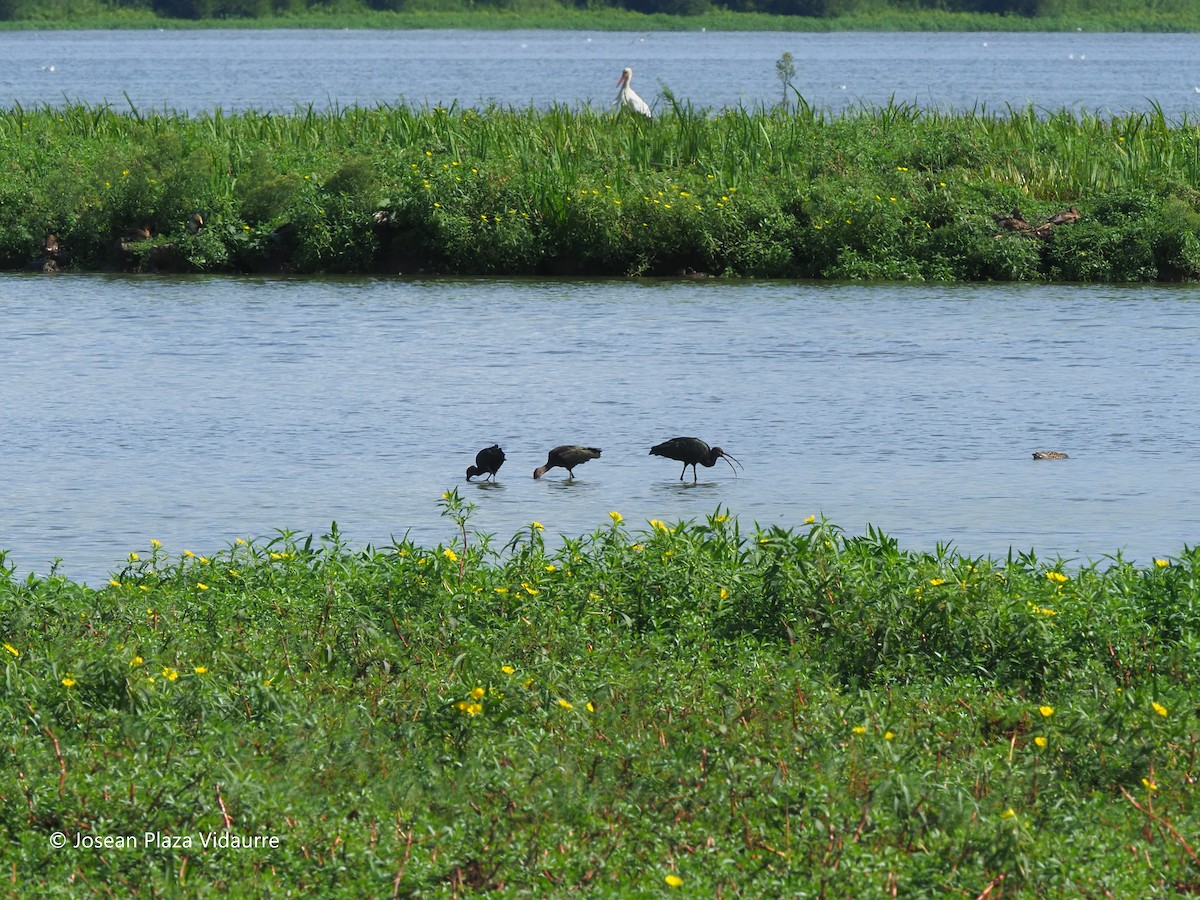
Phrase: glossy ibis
pixel 487 462
pixel 692 452
pixel 1049 454
pixel 568 456
pixel 626 96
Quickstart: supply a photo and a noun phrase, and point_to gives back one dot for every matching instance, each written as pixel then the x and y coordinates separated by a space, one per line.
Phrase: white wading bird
pixel 626 96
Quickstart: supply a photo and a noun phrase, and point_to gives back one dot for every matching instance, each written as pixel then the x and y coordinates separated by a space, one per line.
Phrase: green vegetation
pixel 882 193
pixel 637 15
pixel 738 713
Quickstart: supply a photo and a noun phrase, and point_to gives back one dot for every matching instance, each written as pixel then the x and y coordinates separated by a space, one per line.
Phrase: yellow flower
pixel 155 543
pixel 1159 708
pixel 528 685
pixel 539 526
pixel 1149 784
pixel 136 661
pixel 200 670
pixel 810 520
pixel 1057 577
pixel 589 707
pixel 551 568
pixel 887 735
pixel 507 670
pixel 450 555
pixel 477 693
pixel 1162 563
pixel 724 594
pixel 1040 741
pixel 529 589
pixel 673 881
pixel 1008 813
pixel 500 590
pixel 170 674
pixel 188 553
pixel 133 557
pixel 859 729
pixel 564 703
pixel 1046 711
pixel 11 649
pixel 637 548
pixel 202 585
pixel 936 581
pixel 68 681
pixel 616 517
pixel 114 582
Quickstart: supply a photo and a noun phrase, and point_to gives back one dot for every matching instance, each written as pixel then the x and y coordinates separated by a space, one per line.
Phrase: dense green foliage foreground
pixel 880 193
pixel 768 713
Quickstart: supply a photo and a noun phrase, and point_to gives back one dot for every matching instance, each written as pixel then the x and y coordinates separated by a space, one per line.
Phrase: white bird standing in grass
pixel 626 96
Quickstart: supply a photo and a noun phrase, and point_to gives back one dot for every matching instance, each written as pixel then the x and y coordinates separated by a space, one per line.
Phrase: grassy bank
pixel 85 14
pixel 733 712
pixel 883 193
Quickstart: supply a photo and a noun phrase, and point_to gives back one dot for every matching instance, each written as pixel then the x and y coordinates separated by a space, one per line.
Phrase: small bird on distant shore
pixel 1049 454
pixel 566 456
pixel 692 451
pixel 487 462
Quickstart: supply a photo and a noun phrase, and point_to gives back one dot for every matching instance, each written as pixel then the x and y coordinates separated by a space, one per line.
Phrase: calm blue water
pixel 198 410
pixel 197 71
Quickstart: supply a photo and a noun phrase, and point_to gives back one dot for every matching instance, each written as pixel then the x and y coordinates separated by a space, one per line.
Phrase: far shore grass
pixel 695 707
pixel 611 19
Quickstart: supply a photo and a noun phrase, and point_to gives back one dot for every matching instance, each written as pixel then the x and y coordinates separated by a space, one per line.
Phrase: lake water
pixel 199 410
pixel 282 70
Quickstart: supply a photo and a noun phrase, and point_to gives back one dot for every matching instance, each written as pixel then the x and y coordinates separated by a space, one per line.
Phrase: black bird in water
pixel 692 451
pixel 568 456
pixel 487 462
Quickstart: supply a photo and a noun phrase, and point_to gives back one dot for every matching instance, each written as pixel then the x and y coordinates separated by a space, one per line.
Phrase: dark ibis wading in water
pixel 568 456
pixel 487 462
pixel 692 451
